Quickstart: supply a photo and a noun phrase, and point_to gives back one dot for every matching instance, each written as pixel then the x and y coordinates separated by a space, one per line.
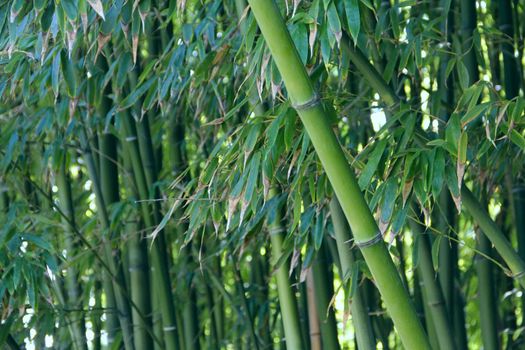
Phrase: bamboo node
pixel 518 275
pixel 131 138
pixel 311 103
pixel 169 329
pixel 370 242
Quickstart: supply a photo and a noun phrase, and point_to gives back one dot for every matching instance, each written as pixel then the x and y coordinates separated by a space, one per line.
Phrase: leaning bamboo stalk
pixel 340 174
pixel 494 234
pixel 470 203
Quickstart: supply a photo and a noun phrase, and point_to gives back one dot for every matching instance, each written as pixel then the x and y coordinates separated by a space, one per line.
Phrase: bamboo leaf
pixel 353 18
pixel 334 23
pixel 133 98
pixel 318 232
pixel 463 75
pixel 473 113
pixel 97 7
pixel 517 139
pixel 372 164
pixel 435 252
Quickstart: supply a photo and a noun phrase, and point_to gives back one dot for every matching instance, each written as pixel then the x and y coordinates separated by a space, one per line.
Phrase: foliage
pixel 208 151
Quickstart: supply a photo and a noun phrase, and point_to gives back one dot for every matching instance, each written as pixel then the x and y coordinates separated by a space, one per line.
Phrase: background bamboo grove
pixel 262 174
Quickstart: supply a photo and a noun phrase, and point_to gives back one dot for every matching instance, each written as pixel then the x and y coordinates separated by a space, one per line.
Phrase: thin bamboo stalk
pixel 339 173
pixel 138 273
pixel 158 253
pixel 323 289
pixel 359 309
pixel 118 280
pixel 486 295
pixel 313 317
pixel 74 291
pixel 434 297
pixel 494 234
pixel 287 302
pixel 468 24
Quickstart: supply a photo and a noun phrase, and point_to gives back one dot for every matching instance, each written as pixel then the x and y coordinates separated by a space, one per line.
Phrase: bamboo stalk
pixel 118 281
pixel 494 234
pixel 74 291
pixel 468 24
pixel 158 254
pixel 486 295
pixel 432 290
pixel 138 272
pixel 471 204
pixel 289 312
pixel 323 290
pixel 359 309
pixel 340 173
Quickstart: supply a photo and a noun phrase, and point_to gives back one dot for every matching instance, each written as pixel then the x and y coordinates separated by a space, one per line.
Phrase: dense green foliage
pixel 166 173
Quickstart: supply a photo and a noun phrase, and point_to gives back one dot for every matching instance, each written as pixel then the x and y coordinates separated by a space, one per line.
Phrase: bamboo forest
pixel 262 174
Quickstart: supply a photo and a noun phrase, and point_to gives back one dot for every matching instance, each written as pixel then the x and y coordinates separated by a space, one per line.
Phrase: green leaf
pixel 97 7
pixel 334 23
pixel 439 172
pixel 517 139
pixel 435 252
pixel 70 8
pixel 9 152
pixel 389 199
pixel 132 98
pixel 37 240
pixel 353 18
pixel 474 113
pixel 318 232
pixel 252 177
pixel 463 75
pixel 372 164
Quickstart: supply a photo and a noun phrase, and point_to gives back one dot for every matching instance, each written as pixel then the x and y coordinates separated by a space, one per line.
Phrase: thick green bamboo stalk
pixel 342 177
pixel 287 301
pixel 323 289
pixel 358 307
pixel 74 291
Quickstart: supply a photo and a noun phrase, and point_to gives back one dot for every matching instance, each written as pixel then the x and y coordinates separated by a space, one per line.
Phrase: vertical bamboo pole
pixel 323 290
pixel 138 272
pixel 74 291
pixel 359 309
pixel 339 172
pixel 117 286
pixel 289 312
pixel 432 290
pixel 158 252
